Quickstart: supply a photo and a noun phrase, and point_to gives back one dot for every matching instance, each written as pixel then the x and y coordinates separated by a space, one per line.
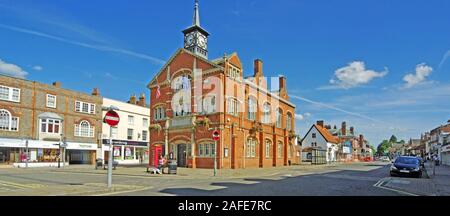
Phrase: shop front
pixel 126 152
pixel 40 153
pixel 81 153
pixel 445 154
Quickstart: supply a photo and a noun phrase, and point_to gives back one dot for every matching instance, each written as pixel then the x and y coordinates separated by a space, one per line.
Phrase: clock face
pixel 202 42
pixel 189 39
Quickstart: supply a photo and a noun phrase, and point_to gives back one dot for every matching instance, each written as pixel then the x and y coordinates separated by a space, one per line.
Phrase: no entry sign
pixel 216 135
pixel 112 118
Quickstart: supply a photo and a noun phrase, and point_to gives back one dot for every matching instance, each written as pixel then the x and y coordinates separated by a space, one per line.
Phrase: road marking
pixel 380 183
pixel 17 185
pixel 122 192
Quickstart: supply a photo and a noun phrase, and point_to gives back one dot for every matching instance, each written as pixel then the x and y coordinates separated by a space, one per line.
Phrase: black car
pixel 408 166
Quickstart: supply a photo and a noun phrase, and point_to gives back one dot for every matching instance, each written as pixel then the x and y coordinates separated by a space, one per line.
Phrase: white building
pixel 319 137
pixel 131 136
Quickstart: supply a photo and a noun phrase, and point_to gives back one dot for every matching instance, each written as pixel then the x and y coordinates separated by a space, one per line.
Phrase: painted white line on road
pixel 380 183
pixel 122 192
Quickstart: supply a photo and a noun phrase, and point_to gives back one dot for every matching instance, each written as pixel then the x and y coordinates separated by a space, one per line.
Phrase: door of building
pixel 3 155
pixel 181 155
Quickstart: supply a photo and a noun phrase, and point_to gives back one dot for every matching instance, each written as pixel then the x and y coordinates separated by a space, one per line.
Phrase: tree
pixel 393 139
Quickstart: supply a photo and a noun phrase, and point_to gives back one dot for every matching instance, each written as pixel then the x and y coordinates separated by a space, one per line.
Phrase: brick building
pixel 44 116
pixel 192 95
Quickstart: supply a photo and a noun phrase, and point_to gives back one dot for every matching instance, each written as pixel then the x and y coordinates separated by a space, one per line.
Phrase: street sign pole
pixel 112 119
pixel 110 163
pixel 215 158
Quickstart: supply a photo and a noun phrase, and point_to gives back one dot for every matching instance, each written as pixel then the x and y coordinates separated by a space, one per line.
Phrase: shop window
pixel 129 153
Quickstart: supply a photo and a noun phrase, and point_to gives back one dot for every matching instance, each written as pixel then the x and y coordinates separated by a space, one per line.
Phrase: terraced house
pixel 192 95
pixel 35 118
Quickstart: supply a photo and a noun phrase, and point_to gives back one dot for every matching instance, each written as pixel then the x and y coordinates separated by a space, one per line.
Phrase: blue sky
pixel 383 66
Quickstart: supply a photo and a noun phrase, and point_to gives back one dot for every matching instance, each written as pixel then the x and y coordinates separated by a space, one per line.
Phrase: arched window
pixel 268 144
pixel 279 117
pixel 252 104
pixel 251 148
pixel 266 113
pixel 8 122
pixel 84 129
pixel 280 150
pixel 289 121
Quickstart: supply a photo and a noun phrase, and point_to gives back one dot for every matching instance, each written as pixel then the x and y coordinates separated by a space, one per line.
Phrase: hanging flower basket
pixel 203 122
pixel 156 127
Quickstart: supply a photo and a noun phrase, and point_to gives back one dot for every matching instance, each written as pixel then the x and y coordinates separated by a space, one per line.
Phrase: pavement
pixel 440 178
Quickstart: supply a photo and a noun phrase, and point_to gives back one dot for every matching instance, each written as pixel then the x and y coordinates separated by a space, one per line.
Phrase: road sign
pixel 216 135
pixel 112 118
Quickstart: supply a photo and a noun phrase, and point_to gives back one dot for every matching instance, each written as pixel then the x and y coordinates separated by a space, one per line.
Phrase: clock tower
pixel 195 37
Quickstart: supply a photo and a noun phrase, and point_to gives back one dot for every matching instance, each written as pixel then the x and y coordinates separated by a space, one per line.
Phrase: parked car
pixel 385 159
pixel 406 166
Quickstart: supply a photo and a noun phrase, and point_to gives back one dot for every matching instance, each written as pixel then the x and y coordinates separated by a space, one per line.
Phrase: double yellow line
pixel 19 186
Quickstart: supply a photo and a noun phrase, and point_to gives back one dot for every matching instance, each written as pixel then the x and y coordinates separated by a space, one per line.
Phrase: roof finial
pixel 196 20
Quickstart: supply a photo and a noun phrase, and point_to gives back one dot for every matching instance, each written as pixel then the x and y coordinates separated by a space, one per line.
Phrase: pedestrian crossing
pixel 12 186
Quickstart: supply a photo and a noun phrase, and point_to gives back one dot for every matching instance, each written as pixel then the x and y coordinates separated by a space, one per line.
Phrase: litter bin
pixel 98 163
pixel 173 167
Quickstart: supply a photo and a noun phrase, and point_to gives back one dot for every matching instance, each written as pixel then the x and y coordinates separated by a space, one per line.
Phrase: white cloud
pixel 420 76
pixel 299 117
pixel 354 75
pixel 12 70
pixel 38 68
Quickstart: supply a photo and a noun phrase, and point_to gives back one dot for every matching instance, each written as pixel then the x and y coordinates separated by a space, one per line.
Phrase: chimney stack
pixel 258 68
pixel 132 99
pixel 57 84
pixel 328 127
pixel 320 123
pixel 96 92
pixel 142 101
pixel 344 129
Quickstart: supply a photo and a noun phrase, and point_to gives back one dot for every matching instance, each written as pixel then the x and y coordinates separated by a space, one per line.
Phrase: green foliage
pixel 384 146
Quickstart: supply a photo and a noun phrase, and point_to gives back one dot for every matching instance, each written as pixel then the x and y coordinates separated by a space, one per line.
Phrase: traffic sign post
pixel 112 119
pixel 216 137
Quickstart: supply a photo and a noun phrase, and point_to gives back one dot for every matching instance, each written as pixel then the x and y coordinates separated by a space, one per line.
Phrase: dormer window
pixel 234 73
